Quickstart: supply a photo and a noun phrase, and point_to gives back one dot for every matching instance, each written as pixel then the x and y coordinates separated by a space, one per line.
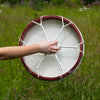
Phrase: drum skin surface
pixel 66 60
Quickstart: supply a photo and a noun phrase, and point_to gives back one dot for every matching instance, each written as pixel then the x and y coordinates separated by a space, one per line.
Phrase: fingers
pixel 54 42
pixel 52 51
pixel 54 45
pixel 55 48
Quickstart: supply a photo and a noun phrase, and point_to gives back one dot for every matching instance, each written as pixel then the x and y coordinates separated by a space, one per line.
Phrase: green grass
pixel 17 84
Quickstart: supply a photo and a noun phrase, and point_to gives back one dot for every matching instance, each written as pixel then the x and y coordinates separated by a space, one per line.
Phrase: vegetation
pixel 53 1
pixel 17 84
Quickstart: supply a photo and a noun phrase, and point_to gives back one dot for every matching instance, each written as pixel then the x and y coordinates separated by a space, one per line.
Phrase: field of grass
pixel 17 84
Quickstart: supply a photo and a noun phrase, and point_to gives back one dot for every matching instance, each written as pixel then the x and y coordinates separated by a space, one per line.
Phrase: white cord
pixel 62 46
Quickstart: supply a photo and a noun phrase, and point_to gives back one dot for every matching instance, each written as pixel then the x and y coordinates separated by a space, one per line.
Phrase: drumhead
pixel 62 63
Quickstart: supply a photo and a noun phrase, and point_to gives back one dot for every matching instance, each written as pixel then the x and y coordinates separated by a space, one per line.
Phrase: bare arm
pixel 20 51
pixel 17 51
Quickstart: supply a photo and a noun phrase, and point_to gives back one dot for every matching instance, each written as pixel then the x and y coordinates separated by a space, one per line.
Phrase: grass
pixel 17 84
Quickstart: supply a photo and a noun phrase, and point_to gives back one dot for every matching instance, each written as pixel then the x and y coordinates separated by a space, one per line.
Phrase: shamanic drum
pixel 62 63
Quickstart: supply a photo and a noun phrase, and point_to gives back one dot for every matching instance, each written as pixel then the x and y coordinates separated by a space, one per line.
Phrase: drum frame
pixel 37 21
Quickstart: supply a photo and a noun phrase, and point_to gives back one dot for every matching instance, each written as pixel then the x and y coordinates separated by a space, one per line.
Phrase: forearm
pixel 18 51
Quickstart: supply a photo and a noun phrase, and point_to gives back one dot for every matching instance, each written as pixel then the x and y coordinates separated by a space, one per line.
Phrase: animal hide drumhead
pixel 66 60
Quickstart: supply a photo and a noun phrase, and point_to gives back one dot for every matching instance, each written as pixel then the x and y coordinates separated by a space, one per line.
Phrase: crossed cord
pixel 62 46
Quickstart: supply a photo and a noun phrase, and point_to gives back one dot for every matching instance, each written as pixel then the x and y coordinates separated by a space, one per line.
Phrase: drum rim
pixel 80 40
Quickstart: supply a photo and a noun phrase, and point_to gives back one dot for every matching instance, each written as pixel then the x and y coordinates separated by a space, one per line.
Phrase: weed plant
pixel 17 84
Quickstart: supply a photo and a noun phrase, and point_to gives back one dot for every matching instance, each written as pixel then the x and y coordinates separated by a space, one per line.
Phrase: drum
pixel 66 60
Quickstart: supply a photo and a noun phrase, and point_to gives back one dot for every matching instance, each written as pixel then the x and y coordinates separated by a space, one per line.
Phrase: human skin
pixel 19 51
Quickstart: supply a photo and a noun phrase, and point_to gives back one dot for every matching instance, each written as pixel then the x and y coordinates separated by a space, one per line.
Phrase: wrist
pixel 38 48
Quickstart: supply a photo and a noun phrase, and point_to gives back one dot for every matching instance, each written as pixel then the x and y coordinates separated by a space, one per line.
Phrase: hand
pixel 48 47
